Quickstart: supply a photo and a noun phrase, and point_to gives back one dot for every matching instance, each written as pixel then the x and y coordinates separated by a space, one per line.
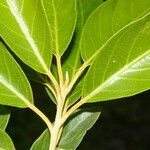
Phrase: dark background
pixel 123 125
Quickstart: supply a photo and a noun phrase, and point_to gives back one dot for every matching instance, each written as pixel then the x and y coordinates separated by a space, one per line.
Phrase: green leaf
pixel 42 143
pixel 14 86
pixel 122 67
pixel 29 72
pixel 61 18
pixel 50 94
pixel 4 117
pixel 26 23
pixel 74 130
pixel 5 141
pixel 107 21
pixel 72 59
pixel 76 127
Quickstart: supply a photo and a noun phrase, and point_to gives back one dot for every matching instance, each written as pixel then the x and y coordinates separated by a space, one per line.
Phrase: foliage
pixel 81 51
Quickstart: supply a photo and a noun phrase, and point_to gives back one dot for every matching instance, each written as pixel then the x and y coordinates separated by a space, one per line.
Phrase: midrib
pixel 13 90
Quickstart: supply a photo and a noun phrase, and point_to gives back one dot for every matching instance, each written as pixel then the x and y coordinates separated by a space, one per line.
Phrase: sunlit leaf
pixel 122 65
pixel 107 21
pixel 24 28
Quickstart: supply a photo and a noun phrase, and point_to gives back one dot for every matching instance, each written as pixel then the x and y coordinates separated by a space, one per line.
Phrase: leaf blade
pixel 121 76
pixel 61 24
pixel 87 117
pixel 4 117
pixel 12 92
pixel 19 19
pixel 76 127
pixel 113 18
pixel 42 143
pixel 5 142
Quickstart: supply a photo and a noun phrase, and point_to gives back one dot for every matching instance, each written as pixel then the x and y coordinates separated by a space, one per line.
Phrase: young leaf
pixel 123 64
pixel 74 130
pixel 61 18
pixel 5 141
pixel 4 117
pixel 25 22
pixel 107 21
pixel 14 87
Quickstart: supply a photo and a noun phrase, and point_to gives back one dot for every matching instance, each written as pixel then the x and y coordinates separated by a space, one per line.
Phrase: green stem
pixel 55 135
pixel 72 109
pixel 77 75
pixel 57 128
pixel 60 73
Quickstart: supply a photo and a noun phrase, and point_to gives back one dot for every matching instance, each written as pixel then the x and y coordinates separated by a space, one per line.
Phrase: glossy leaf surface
pixel 14 86
pixel 61 18
pixel 25 21
pixel 5 141
pixel 122 67
pixel 74 130
pixel 4 117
